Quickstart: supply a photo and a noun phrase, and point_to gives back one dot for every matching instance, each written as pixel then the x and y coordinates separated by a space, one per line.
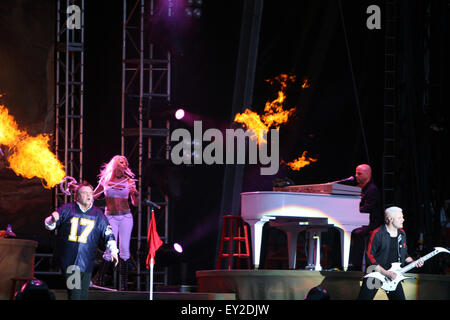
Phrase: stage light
pixel 179 114
pixel 177 247
pixel 34 290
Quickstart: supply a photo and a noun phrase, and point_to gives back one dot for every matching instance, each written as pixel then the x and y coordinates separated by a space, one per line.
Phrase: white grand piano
pixel 296 208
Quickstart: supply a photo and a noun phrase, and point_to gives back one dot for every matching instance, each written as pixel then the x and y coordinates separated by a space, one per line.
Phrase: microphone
pixel 127 174
pixel 351 178
pixel 151 204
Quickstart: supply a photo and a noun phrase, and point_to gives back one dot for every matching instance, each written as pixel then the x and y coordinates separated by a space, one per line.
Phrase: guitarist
pixel 387 244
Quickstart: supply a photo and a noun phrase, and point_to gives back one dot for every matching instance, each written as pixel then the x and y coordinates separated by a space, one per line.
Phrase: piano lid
pixel 325 188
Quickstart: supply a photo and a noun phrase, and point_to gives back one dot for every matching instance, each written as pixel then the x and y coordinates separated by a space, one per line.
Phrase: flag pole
pixel 152 262
pixel 154 242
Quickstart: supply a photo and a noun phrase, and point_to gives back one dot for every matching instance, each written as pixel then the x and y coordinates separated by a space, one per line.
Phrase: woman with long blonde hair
pixel 117 184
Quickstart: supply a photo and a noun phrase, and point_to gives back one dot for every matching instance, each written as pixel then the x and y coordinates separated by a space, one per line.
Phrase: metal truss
pixel 145 83
pixel 69 90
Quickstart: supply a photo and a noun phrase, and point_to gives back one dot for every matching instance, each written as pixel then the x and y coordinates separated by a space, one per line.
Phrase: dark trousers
pixel 80 293
pixel 358 243
pixel 368 294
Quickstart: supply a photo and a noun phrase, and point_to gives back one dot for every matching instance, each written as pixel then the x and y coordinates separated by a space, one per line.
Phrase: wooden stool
pixel 234 229
pixel 13 285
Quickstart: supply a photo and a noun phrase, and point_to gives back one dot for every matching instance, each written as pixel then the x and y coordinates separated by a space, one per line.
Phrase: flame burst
pixel 29 156
pixel 253 122
pixel 301 162
pixel 274 114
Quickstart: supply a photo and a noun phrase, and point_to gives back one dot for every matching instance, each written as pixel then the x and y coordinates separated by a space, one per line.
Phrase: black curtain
pixel 423 121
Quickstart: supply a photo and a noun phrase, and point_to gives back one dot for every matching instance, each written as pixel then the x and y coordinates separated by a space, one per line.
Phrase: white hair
pixel 390 212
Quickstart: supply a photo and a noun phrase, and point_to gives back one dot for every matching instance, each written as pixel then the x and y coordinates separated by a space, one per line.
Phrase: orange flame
pixel 29 156
pixel 301 162
pixel 274 114
pixel 305 83
pixel 253 121
pixel 9 130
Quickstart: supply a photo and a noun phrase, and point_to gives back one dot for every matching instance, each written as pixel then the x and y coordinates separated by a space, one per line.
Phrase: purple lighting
pixel 179 114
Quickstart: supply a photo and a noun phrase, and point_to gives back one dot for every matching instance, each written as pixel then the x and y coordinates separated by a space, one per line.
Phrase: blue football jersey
pixel 79 234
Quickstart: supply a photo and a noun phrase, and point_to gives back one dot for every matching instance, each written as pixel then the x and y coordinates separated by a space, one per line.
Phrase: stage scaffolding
pixel 69 90
pixel 146 83
pixel 69 87
pixel 69 114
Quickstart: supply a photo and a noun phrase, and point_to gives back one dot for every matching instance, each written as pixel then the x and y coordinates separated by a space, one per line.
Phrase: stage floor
pixel 144 295
pixel 294 284
pixel 280 285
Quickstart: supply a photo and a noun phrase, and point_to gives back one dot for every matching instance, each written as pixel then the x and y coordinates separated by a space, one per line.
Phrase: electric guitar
pixel 390 285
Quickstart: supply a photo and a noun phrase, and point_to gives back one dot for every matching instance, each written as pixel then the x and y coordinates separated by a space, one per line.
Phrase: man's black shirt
pixel 393 253
pixel 371 203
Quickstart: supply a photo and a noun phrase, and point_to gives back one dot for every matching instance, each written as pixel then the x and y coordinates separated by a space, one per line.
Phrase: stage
pixel 235 285
pixel 294 284
pixel 144 295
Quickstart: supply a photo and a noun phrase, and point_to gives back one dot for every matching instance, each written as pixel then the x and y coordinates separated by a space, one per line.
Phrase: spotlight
pixel 34 290
pixel 179 114
pixel 177 247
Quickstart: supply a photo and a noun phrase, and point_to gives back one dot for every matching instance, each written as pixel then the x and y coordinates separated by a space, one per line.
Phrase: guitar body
pixel 386 283
pixel 390 285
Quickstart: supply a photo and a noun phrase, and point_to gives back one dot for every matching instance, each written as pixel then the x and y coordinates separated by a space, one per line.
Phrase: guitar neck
pixel 424 258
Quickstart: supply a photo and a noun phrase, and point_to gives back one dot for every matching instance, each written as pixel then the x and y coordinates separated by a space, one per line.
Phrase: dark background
pixel 302 38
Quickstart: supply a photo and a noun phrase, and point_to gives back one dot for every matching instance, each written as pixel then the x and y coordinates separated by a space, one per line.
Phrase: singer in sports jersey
pixel 117 184
pixel 82 228
pixel 387 244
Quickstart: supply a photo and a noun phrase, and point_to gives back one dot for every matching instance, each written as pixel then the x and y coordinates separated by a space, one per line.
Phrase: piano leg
pixel 310 264
pixel 345 247
pixel 291 231
pixel 316 237
pixel 314 250
pixel 292 247
pixel 256 230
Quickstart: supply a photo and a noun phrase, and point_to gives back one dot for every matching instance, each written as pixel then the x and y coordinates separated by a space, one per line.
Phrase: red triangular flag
pixel 153 241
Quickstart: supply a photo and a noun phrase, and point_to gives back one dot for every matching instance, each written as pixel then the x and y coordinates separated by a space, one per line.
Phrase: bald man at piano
pixel 370 203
